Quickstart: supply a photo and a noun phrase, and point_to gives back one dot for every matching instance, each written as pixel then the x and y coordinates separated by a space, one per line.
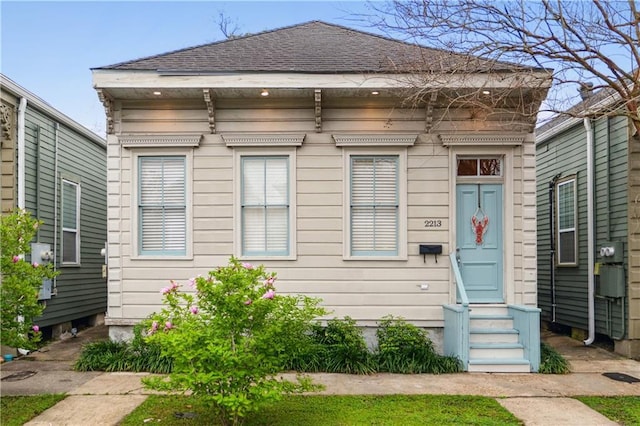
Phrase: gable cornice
pixel 232 140
pixel 475 139
pixel 138 141
pixel 375 140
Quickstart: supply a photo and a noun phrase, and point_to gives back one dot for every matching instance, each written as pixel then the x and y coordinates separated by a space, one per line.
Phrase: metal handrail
pixel 458 276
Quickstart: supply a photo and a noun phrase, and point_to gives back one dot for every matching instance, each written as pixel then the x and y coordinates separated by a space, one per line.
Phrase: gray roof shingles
pixel 312 47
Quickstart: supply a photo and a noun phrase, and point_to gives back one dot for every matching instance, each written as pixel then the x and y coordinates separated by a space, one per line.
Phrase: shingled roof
pixel 312 47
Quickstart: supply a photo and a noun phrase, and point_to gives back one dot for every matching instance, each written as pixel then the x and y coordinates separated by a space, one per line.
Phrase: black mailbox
pixel 434 249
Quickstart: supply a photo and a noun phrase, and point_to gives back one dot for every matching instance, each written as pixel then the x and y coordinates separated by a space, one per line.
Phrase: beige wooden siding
pixel 8 164
pixel 634 239
pixel 365 290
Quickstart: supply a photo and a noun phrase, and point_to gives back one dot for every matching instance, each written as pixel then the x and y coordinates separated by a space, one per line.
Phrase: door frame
pixel 506 153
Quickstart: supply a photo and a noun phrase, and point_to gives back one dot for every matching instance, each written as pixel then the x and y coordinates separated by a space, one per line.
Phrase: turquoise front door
pixel 479 241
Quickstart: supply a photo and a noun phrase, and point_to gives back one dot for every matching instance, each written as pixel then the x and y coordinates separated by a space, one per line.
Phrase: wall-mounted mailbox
pixel 434 249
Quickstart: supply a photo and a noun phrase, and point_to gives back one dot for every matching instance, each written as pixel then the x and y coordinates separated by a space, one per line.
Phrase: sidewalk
pixel 536 399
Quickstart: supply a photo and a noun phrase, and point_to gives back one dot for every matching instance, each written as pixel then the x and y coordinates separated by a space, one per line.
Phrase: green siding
pixel 565 153
pixel 81 290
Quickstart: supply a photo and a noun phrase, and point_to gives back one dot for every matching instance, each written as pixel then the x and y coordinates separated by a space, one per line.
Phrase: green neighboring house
pixel 56 169
pixel 590 280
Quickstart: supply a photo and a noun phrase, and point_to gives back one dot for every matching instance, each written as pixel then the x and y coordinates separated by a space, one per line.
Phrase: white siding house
pixel 296 148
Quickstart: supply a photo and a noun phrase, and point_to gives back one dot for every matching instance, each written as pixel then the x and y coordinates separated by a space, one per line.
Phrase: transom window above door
pixel 485 167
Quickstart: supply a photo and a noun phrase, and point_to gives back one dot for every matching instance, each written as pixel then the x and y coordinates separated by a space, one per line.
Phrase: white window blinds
pixel 162 205
pixel 374 203
pixel 265 206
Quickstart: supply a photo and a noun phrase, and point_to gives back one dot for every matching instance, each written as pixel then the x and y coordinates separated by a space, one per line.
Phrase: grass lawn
pixel 17 410
pixel 621 409
pixel 337 410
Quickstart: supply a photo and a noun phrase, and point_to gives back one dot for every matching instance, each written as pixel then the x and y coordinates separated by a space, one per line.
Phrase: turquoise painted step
pixel 496 350
pixel 491 321
pixel 505 365
pixel 493 335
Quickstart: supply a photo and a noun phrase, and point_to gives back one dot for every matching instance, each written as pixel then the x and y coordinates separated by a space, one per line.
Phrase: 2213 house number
pixel 432 223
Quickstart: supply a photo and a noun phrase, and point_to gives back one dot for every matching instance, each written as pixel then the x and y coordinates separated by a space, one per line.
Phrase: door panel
pixel 481 254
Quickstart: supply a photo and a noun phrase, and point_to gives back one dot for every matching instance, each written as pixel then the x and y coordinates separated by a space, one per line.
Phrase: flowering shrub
pixel 229 336
pixel 21 281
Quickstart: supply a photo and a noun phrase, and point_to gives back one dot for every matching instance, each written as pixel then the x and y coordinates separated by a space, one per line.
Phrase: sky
pixel 49 47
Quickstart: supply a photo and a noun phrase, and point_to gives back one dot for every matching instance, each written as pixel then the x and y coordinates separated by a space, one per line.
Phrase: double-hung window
pixel 265 206
pixel 162 205
pixel 70 222
pixel 374 203
pixel 566 222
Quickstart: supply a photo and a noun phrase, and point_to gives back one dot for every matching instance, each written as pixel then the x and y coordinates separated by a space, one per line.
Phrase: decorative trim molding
pixel 6 112
pixel 107 102
pixel 137 141
pixel 211 109
pixel 318 109
pixel 514 139
pixel 429 115
pixel 263 139
pixel 375 140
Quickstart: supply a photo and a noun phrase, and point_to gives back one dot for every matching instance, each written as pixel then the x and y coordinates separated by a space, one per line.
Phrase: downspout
pixel 22 110
pixel 590 242
pixel 552 244
pixel 56 131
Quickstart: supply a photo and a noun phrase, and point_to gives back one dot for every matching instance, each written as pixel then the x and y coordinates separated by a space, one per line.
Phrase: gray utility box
pixel 612 252
pixel 612 281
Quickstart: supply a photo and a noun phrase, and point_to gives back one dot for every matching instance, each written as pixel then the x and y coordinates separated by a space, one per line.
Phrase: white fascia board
pixel 106 79
pixel 38 103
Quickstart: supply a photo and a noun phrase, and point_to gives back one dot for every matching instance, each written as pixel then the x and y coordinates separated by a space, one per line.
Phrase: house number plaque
pixel 433 223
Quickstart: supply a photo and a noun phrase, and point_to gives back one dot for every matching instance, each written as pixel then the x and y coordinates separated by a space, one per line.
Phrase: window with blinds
pixel 265 206
pixel 374 205
pixel 162 206
pixel 566 222
pixel 70 223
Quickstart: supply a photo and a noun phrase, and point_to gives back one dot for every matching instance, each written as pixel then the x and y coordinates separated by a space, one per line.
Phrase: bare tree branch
pixel 588 44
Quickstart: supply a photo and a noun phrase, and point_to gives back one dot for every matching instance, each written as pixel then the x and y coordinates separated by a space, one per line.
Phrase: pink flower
pixel 247 266
pixel 194 310
pixel 269 281
pixel 269 294
pixel 168 325
pixel 35 328
pixel 36 264
pixel 165 290
pixel 192 282
pixel 248 302
pixel 16 259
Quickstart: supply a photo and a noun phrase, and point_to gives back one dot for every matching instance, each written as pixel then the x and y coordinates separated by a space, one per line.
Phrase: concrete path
pixel 536 399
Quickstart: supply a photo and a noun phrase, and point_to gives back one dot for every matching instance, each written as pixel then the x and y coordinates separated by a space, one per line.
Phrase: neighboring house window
pixel 265 206
pixel 162 218
pixel 70 223
pixel 566 222
pixel 374 203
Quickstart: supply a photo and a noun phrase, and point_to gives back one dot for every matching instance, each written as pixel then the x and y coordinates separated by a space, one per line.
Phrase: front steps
pixel 494 342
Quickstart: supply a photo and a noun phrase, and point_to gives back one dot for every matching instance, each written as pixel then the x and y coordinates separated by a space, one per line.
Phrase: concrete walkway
pixel 536 399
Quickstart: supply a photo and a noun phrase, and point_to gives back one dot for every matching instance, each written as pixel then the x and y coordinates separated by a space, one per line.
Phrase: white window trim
pixel 135 220
pixel 240 152
pixel 77 228
pixel 401 153
pixel 574 181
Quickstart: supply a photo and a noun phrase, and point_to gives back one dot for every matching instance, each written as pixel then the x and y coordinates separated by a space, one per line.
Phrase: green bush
pixel 551 361
pixel 230 338
pixel 342 347
pixel 405 348
pixel 21 281
pixel 135 356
